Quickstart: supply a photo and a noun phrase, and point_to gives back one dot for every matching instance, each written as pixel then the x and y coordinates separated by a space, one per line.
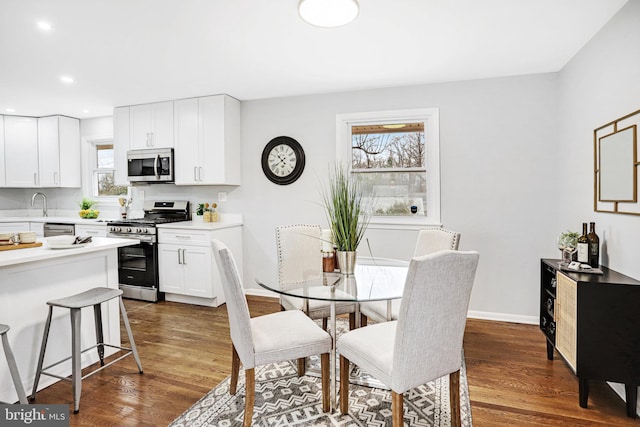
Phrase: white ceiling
pixel 123 52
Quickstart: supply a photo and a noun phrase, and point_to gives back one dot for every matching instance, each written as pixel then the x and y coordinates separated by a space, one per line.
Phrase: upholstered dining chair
pixel 430 240
pixel 300 259
pixel 425 343
pixel 285 335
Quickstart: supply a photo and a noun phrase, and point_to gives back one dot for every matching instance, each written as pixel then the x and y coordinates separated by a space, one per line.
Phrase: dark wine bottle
pixel 583 245
pixel 594 246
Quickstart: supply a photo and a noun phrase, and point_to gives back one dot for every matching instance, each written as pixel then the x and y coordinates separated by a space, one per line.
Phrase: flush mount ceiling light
pixel 44 26
pixel 66 79
pixel 328 13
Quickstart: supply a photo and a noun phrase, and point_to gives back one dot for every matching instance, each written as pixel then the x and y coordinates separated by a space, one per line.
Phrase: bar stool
pixel 93 297
pixel 13 368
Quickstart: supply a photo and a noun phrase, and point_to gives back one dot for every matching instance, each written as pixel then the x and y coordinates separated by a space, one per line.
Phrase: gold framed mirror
pixel 616 166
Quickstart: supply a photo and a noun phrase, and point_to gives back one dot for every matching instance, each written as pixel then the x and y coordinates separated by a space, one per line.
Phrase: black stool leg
pixel 125 318
pixel 43 347
pixel 76 369
pixel 97 315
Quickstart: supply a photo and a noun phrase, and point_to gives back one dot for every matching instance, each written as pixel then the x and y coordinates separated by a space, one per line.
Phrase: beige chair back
pixel 436 239
pixel 299 256
pixel 433 314
pixel 237 308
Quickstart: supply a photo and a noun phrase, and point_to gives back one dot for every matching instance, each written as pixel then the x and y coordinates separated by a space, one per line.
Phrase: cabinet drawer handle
pixel 183 237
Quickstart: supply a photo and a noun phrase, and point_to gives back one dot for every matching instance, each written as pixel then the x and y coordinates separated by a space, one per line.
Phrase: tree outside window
pixel 103 173
pixel 389 161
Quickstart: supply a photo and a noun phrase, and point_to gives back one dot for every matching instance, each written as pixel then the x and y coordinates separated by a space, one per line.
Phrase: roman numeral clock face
pixel 283 160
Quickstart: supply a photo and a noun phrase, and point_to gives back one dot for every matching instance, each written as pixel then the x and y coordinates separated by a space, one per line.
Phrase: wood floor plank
pixel 185 352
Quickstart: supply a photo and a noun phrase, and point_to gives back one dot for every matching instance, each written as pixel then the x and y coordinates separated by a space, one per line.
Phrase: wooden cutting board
pixel 20 246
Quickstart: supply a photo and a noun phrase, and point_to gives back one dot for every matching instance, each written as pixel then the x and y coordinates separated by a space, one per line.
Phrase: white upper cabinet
pixel 59 152
pixel 21 151
pixel 207 141
pixel 151 125
pixel 120 144
pixel 2 176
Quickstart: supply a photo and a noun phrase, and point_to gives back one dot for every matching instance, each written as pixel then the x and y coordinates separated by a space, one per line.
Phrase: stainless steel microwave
pixel 152 165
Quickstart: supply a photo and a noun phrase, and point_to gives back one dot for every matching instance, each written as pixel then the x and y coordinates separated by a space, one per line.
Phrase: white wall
pixel 498 168
pixel 600 84
pixel 499 174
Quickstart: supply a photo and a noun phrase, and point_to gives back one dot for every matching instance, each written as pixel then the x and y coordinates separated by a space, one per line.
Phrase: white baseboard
pixel 261 293
pixel 503 317
pixel 619 389
pixel 472 314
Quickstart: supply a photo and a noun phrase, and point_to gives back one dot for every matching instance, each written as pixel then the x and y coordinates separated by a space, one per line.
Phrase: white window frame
pixel 430 117
pixel 89 166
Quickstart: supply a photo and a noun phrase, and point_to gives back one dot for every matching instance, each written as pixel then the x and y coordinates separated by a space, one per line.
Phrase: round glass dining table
pixel 374 279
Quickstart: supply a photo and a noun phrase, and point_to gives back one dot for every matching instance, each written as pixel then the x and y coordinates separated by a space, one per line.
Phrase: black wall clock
pixel 283 160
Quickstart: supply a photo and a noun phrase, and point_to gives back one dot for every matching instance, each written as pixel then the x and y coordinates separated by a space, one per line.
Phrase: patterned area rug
pixel 283 399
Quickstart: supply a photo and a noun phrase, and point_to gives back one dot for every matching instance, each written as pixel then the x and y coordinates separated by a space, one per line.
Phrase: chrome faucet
pixel 44 202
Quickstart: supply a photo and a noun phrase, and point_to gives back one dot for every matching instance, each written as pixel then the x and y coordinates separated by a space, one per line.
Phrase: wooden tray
pixel 20 246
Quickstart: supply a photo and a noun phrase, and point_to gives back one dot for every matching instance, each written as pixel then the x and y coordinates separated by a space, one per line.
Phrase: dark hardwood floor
pixel 185 352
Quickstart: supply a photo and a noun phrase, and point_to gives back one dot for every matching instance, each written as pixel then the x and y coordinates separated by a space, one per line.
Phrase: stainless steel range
pixel 138 264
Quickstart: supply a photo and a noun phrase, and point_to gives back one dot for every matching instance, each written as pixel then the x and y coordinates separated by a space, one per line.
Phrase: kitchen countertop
pixel 55 219
pixel 20 256
pixel 201 225
pixel 227 221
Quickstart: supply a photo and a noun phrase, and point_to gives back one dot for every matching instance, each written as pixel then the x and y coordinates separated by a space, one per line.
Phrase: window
pixel 395 157
pixel 103 172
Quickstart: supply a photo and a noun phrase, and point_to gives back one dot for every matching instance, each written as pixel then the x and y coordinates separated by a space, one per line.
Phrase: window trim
pixel 431 118
pixel 88 167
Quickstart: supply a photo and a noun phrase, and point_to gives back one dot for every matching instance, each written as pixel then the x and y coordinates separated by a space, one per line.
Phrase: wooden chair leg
pixel 363 320
pixel 324 323
pixel 397 409
pixel 302 366
pixel 326 388
pixel 344 385
pixel 250 388
pixel 235 370
pixel 454 398
pixel 352 321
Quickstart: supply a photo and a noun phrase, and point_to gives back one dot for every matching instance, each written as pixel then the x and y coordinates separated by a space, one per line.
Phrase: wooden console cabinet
pixel 594 323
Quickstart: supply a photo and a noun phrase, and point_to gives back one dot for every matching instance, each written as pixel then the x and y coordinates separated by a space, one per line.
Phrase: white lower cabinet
pixel 91 230
pixel 186 267
pixel 38 227
pixel 14 227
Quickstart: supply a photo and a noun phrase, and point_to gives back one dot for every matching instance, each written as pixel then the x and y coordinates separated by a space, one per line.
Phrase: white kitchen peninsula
pixel 31 277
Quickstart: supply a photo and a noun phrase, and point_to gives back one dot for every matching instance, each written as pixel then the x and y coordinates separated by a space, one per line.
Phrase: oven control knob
pixel 145 230
pixel 128 229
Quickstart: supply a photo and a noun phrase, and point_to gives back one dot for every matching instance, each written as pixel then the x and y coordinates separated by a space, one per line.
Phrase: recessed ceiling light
pixel 10 110
pixel 44 26
pixel 66 79
pixel 85 111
